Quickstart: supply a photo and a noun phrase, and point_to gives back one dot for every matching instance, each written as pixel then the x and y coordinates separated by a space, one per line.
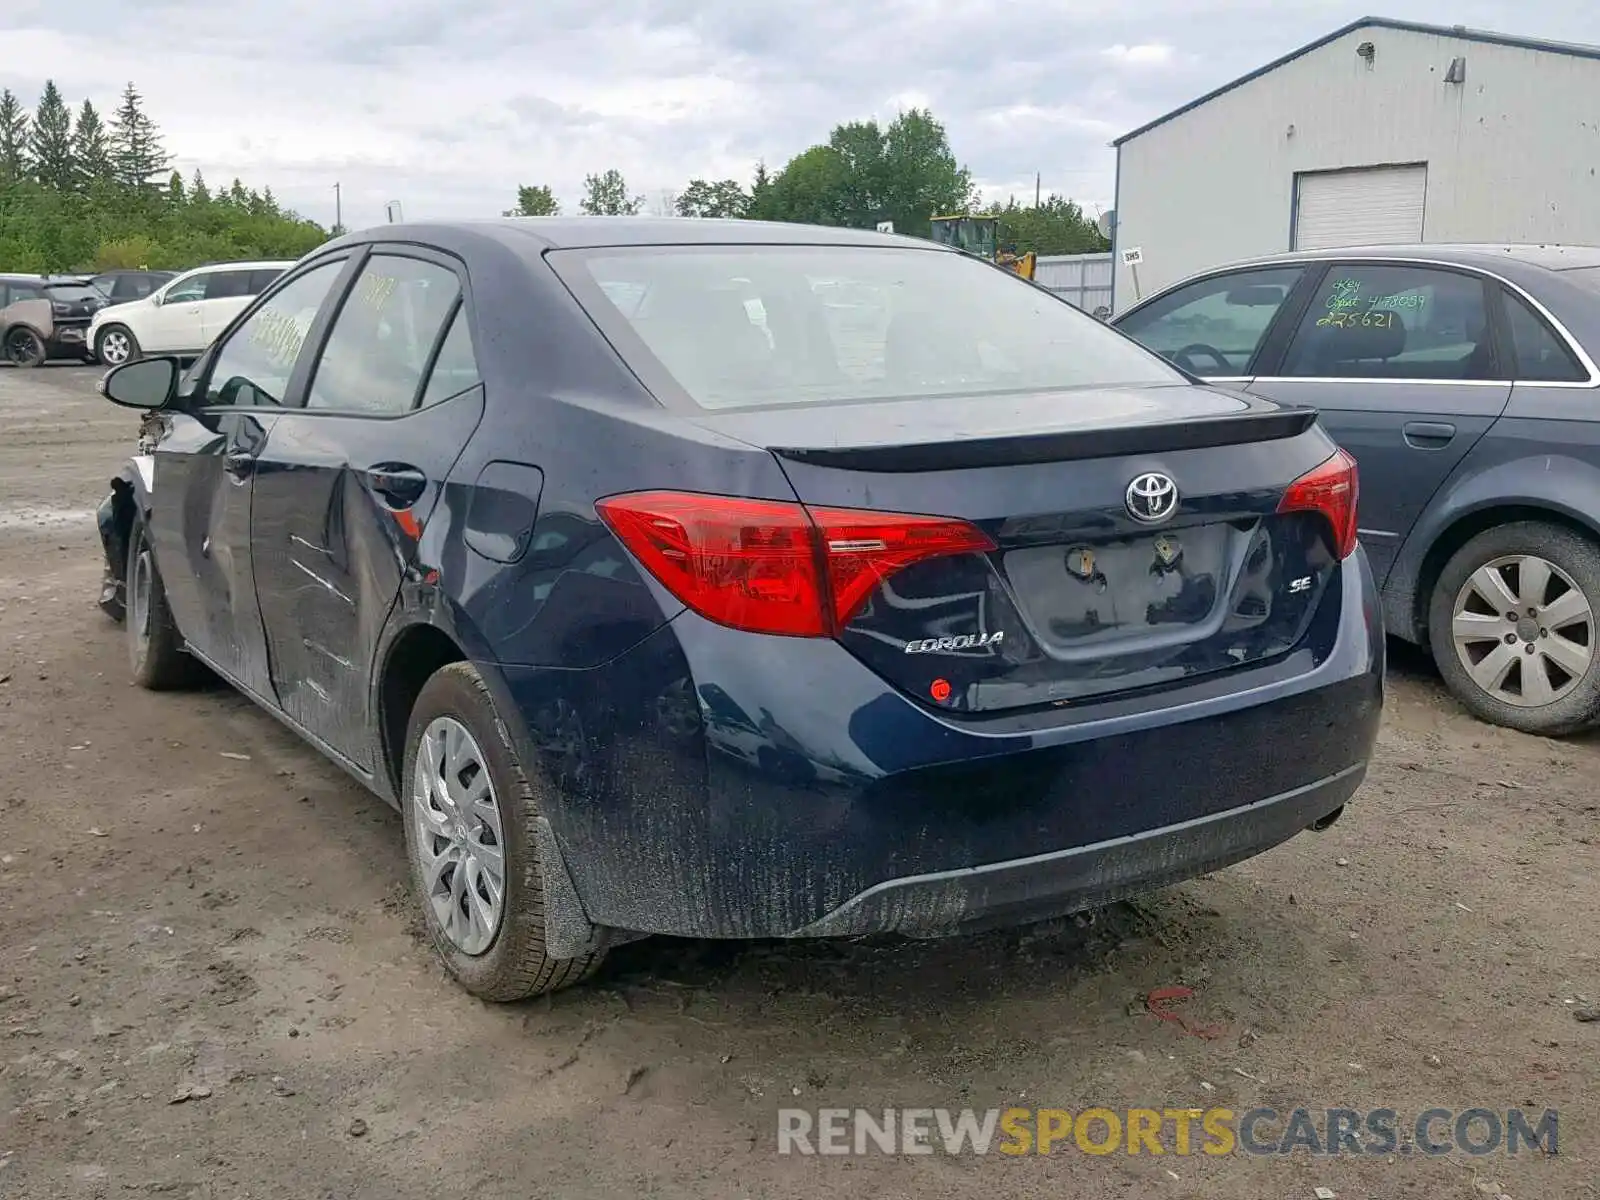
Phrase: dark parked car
pixel 46 317
pixel 119 287
pixel 1463 380
pixel 658 609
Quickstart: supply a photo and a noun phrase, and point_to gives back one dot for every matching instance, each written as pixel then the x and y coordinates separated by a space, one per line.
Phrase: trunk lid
pixel 1081 598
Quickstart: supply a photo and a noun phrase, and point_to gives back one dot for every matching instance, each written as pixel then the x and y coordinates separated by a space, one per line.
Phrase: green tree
pixel 864 174
pixel 136 149
pixel 607 195
pixel 724 198
pixel 50 141
pixel 760 193
pixel 1055 226
pixel 14 124
pixel 91 151
pixel 535 200
pixel 813 188
pixel 921 177
pixel 84 225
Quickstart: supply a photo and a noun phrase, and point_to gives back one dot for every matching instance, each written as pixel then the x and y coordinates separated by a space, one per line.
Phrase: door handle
pixel 1427 435
pixel 399 484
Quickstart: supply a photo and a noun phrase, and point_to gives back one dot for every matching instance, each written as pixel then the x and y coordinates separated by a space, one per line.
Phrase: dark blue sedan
pixel 744 580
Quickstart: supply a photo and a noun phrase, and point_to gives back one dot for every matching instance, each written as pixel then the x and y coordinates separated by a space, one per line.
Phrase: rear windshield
pixel 749 326
pixel 69 293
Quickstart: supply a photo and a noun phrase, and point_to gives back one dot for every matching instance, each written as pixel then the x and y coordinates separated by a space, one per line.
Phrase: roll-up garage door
pixel 1367 206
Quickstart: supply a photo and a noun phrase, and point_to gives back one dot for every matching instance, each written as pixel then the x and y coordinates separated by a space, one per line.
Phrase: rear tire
pixel 1548 651
pixel 155 647
pixel 24 347
pixel 470 784
pixel 115 345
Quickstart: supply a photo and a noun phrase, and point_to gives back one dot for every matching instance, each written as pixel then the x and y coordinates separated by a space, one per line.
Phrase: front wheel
pixel 115 345
pixel 155 647
pixel 24 347
pixel 469 825
pixel 1512 626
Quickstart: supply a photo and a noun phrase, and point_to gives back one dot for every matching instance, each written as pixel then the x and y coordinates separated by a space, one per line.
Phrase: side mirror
pixel 155 298
pixel 147 384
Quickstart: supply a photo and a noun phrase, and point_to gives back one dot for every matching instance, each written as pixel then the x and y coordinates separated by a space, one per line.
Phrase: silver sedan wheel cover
pixel 114 348
pixel 1523 630
pixel 460 843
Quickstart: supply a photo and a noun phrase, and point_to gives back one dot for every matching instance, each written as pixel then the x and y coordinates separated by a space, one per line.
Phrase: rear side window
pixel 260 281
pixel 24 291
pixel 1214 326
pixel 1542 357
pixel 229 285
pixel 378 349
pixel 456 368
pixel 1394 321
pixel 750 326
pixel 253 366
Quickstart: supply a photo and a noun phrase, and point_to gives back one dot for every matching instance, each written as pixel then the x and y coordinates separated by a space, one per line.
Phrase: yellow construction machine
pixel 981 236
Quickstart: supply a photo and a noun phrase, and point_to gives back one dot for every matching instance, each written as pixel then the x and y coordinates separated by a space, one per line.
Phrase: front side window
pixel 187 288
pixel 253 366
pixel 1214 326
pixel 748 326
pixel 1542 357
pixel 380 342
pixel 1394 321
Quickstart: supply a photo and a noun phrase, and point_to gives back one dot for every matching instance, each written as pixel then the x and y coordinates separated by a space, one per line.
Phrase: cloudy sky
pixel 446 105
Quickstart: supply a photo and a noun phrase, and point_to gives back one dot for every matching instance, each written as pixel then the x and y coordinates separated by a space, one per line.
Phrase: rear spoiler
pixel 1068 446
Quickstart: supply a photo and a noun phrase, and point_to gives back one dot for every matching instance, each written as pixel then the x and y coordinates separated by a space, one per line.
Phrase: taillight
pixel 1330 489
pixel 774 566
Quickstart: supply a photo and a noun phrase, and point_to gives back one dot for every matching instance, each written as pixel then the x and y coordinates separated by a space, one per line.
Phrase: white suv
pixel 183 316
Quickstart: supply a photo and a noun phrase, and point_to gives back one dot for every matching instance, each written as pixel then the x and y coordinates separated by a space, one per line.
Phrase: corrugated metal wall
pixel 1512 153
pixel 1083 280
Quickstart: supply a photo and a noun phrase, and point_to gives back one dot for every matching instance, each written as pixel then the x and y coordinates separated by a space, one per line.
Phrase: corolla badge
pixel 1151 497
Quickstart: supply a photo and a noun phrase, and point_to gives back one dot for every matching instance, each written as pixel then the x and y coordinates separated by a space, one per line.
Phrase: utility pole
pixel 338 209
pixel 1036 179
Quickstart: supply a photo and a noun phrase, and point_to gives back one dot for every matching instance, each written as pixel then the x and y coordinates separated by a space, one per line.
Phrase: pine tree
pixel 91 152
pixel 175 193
pixel 136 150
pixel 50 143
pixel 14 123
pixel 199 193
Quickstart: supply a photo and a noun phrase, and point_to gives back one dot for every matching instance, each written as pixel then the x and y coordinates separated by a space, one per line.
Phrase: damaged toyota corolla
pixel 745 580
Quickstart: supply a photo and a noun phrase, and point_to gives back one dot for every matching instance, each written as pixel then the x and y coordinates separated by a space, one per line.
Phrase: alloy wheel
pixel 1523 630
pixel 114 348
pixel 460 836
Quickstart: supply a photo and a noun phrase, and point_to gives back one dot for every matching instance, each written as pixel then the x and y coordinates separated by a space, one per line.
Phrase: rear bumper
pixel 1066 881
pixel 717 784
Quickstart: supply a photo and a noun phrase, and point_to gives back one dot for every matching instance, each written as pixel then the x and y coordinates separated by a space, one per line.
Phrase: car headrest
pixel 1353 341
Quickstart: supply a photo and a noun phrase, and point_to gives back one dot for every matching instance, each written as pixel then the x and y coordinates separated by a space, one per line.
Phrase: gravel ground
pixel 211 984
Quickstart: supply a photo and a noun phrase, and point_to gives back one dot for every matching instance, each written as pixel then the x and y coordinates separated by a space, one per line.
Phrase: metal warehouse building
pixel 1382 132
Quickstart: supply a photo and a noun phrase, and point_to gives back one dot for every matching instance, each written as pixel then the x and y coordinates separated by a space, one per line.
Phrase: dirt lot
pixel 176 919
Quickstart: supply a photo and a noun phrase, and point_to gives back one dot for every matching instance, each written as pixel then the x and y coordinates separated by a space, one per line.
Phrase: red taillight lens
pixel 1330 489
pixel 772 566
pixel 862 549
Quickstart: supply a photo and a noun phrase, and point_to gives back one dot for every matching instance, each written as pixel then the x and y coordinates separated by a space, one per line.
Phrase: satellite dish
pixel 1106 222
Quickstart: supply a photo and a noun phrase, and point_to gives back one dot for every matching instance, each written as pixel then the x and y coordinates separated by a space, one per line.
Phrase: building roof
pixel 1459 32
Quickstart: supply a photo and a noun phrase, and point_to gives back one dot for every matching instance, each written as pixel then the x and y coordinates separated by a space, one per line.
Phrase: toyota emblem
pixel 1152 497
